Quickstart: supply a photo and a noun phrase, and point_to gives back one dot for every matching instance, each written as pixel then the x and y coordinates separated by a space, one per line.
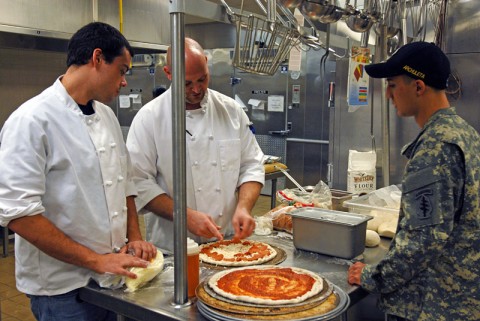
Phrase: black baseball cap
pixel 418 60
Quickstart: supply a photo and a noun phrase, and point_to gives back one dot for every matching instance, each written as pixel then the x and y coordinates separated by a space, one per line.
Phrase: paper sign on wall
pixel 124 101
pixel 357 78
pixel 275 103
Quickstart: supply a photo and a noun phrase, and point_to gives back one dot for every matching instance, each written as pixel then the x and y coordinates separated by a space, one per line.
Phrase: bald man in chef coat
pixel 224 173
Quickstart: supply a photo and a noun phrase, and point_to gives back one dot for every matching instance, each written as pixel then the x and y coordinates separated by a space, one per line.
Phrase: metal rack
pixel 261 44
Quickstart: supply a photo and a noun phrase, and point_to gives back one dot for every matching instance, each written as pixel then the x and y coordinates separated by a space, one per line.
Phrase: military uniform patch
pixel 424 204
pixel 421 193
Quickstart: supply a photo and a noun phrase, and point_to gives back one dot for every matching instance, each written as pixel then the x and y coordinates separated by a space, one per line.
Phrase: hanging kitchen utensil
pixel 393 43
pixel 326 12
pixel 362 20
pixel 309 35
pixel 359 22
pixel 290 3
pixel 261 44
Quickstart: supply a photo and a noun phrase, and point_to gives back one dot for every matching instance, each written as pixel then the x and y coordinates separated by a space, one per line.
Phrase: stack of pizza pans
pixel 241 301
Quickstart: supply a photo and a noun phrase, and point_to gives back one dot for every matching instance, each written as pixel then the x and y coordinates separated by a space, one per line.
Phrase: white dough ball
pixel 374 223
pixel 388 229
pixel 372 239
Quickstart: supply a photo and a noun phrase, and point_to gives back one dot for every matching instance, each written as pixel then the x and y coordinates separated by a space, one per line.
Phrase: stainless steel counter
pixel 155 301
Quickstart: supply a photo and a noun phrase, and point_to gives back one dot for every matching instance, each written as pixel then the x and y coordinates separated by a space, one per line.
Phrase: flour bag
pixel 361 177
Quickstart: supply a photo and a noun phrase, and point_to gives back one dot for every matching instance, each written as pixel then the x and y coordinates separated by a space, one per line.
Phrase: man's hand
pixel 203 225
pixel 243 224
pixel 141 249
pixel 355 273
pixel 118 263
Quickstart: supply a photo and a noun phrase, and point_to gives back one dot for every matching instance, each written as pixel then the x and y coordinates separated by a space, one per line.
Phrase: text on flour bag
pixel 361 177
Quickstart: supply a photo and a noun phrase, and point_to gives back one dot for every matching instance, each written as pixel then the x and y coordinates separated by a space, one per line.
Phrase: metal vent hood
pixel 49 24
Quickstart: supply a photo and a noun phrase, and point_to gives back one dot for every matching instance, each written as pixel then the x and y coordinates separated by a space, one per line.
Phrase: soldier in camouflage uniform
pixel 432 269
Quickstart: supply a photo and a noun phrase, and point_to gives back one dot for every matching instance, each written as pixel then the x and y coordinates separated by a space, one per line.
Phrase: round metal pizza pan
pixel 277 259
pixel 342 303
pixel 268 309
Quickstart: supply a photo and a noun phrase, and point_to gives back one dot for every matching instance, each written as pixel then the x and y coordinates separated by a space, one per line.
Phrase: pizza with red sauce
pixel 236 253
pixel 269 285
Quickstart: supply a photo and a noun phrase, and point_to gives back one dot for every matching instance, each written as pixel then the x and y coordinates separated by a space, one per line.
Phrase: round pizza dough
pixel 372 239
pixel 236 253
pixel 270 285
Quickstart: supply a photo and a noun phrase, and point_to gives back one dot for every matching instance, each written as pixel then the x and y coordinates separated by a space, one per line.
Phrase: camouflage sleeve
pixel 431 196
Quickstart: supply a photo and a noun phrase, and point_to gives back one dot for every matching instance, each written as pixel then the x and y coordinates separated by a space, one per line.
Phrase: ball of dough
pixel 388 228
pixel 372 239
pixel 374 223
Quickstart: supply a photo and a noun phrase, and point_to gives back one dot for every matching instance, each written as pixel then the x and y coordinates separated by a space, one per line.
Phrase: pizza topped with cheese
pixel 270 285
pixel 236 253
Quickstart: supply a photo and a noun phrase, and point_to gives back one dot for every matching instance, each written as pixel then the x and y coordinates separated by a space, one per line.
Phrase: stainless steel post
pixel 177 25
pixel 381 55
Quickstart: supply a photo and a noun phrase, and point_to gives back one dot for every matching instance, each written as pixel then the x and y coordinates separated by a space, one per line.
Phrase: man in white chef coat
pixel 224 173
pixel 65 185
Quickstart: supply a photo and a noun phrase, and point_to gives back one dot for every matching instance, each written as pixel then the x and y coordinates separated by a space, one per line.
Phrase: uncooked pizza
pixel 236 253
pixel 268 285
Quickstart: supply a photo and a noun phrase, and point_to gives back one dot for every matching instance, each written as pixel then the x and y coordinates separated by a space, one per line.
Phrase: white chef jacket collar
pixel 65 97
pixel 204 102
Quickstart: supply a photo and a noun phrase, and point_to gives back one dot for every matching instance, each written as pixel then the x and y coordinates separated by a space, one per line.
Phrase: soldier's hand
pixel 355 273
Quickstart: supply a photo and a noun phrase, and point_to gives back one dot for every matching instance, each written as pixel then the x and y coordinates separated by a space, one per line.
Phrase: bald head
pixel 196 73
pixel 193 51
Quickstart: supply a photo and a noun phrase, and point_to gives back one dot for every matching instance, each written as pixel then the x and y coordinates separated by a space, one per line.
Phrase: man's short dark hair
pixel 96 35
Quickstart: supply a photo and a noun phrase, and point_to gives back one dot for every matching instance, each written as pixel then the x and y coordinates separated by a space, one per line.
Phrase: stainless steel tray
pixel 216 315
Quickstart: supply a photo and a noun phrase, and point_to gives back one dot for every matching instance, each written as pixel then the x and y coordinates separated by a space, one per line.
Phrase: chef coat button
pixel 218 189
pixel 108 183
pixel 101 149
pixel 115 214
pixel 126 240
pixel 210 137
pixel 97 118
pixel 116 249
pixel 89 122
pixel 192 138
pixel 195 163
pixel 120 178
pixel 199 189
pixel 221 214
pixel 203 111
pixel 113 145
pixel 188 114
pixel 124 208
pixel 214 163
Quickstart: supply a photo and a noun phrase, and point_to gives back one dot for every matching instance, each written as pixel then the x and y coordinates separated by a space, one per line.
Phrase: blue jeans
pixel 67 307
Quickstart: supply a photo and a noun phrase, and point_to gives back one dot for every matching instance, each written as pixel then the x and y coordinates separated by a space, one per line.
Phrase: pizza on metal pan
pixel 236 253
pixel 268 285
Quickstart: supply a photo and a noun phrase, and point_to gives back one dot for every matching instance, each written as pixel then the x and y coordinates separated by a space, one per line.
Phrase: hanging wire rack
pixel 261 44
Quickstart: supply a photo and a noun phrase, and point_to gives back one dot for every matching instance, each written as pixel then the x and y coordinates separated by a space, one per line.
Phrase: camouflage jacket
pixel 432 269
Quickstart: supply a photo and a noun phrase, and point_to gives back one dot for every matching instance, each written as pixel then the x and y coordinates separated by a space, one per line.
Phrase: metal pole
pixel 177 26
pixel 381 55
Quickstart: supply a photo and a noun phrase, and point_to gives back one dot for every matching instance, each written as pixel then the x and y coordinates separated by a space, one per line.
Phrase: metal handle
pixel 300 187
pixel 279 132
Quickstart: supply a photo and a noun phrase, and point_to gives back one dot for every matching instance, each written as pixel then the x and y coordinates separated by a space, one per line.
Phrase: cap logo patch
pixel 414 72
